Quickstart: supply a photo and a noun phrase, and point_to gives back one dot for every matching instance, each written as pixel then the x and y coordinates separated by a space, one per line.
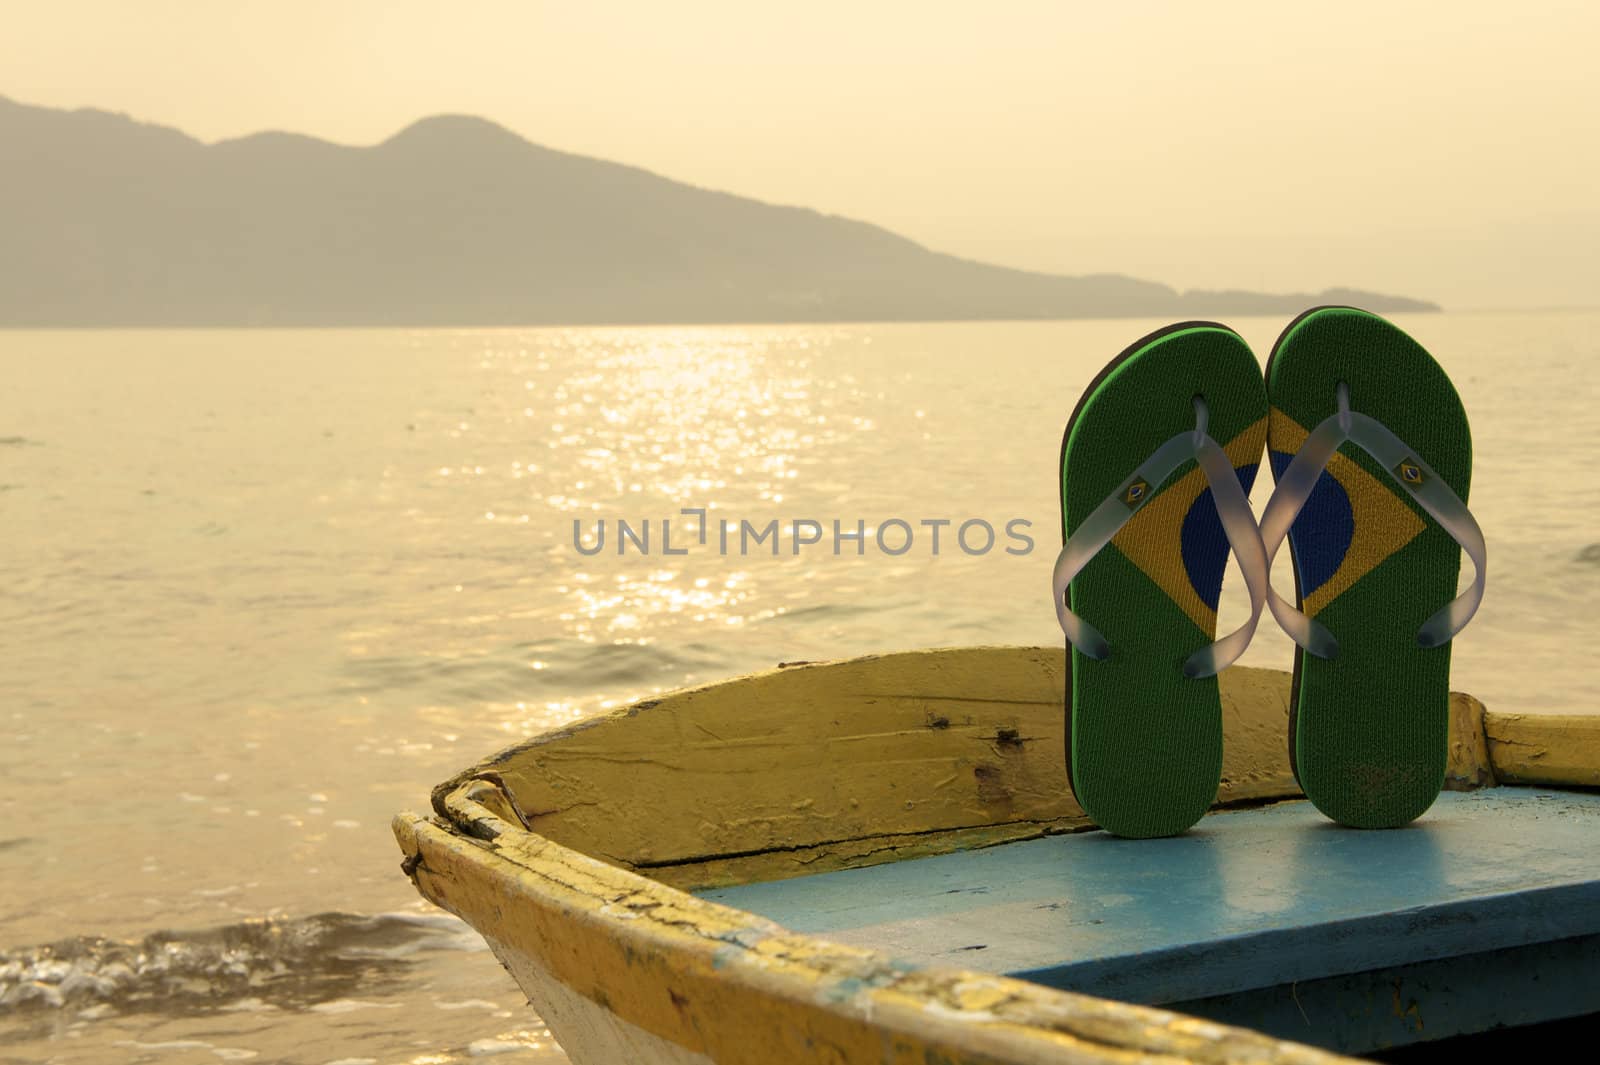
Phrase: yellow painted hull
pixel 573 854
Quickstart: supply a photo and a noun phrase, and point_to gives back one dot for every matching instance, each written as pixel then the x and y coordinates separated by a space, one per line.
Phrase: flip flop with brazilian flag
pixel 1156 467
pixel 1373 457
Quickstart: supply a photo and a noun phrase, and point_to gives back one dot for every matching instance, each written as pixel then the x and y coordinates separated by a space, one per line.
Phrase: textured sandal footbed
pixel 1144 743
pixel 1368 729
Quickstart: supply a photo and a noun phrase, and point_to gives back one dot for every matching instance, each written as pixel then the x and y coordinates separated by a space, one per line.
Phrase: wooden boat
pixel 878 860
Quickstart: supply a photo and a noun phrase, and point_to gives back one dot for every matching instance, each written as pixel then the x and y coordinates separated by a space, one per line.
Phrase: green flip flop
pixel 1372 455
pixel 1151 504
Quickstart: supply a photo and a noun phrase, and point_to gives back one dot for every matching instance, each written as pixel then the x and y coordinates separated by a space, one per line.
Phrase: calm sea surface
pixel 260 590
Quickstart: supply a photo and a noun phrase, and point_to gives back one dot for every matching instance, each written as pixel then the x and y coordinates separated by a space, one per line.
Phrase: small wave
pixel 835 611
pixel 603 664
pixel 286 964
pixel 569 667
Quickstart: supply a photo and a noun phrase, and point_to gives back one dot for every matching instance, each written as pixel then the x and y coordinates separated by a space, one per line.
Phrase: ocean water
pixel 261 589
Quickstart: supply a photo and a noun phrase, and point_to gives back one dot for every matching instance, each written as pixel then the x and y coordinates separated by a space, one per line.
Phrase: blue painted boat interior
pixel 1254 911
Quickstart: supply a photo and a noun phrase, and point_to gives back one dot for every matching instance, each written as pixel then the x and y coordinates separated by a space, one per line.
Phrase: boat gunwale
pixel 676 966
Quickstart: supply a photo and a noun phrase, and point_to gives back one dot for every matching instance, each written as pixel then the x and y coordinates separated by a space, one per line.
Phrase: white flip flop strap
pixel 1239 525
pixel 1288 499
pixel 1419 480
pixel 1104 522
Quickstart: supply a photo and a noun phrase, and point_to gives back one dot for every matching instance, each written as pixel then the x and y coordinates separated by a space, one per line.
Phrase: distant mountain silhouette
pixel 456 221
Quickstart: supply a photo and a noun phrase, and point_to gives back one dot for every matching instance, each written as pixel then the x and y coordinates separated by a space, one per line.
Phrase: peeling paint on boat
pixel 570 853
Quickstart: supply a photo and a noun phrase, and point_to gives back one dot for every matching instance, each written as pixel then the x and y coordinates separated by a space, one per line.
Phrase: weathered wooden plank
pixel 805 757
pixel 699 981
pixel 848 763
pixel 1550 749
pixel 1246 900
pixel 1467 766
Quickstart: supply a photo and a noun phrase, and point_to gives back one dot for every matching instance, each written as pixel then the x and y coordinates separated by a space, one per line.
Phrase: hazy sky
pixel 1443 150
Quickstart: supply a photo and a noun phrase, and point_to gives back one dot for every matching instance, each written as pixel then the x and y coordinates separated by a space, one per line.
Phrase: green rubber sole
pixel 1144 743
pixel 1368 729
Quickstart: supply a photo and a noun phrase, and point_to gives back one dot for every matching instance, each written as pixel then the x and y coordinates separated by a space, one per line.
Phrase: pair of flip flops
pixel 1372 457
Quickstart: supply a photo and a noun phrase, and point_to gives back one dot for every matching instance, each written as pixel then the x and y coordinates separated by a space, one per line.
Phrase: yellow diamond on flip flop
pixel 1410 474
pixel 1153 538
pixel 1383 523
pixel 1136 493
